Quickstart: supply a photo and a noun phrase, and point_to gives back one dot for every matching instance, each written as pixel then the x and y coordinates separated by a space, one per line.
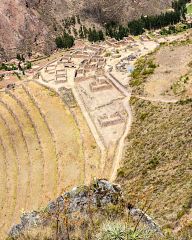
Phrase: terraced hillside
pixel 42 150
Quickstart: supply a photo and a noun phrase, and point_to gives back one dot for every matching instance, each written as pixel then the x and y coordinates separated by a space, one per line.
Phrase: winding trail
pixel 154 99
pixel 119 151
pixel 126 103
pixel 91 126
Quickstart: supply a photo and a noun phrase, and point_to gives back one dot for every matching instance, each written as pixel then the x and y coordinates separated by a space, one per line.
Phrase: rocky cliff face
pixel 32 24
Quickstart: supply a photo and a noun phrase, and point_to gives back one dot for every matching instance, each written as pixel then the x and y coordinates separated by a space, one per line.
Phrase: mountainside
pixel 27 25
pixel 156 166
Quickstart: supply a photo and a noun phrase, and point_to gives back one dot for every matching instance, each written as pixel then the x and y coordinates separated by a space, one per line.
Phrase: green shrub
pixel 136 82
pixel 143 115
pixel 113 231
pixel 28 65
pixel 152 164
pixel 119 231
pixel 148 71
pixel 143 68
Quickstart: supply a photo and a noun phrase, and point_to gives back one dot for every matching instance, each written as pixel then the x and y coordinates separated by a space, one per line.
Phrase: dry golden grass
pixel 18 144
pixel 157 159
pixel 50 173
pixel 66 134
pixel 92 153
pixel 43 151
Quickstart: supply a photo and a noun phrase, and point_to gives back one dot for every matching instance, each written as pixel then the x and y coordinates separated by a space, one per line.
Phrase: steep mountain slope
pixel 157 159
pixel 156 166
pixel 27 25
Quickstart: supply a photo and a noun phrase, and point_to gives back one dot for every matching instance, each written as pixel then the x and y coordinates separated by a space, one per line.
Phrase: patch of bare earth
pixel 173 62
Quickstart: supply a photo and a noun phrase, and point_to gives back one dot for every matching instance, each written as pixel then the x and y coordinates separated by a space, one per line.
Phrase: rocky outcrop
pixel 99 194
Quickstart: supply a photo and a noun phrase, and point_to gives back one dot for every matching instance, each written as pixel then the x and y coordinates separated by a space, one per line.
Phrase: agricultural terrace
pixel 42 150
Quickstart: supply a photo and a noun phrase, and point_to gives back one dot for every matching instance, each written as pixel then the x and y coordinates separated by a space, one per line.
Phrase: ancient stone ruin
pixel 113 119
pixel 100 84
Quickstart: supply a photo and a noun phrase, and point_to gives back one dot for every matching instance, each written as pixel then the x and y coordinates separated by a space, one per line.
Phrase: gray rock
pixel 100 193
pixel 145 219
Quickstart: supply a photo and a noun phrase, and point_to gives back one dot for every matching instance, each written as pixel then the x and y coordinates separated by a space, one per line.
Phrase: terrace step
pixel 4 183
pixel 65 130
pixel 47 143
pixel 34 152
pixel 12 175
pixel 21 154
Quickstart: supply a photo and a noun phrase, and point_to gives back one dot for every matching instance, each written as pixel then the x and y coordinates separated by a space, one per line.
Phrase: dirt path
pixel 120 147
pixel 154 99
pixel 91 126
pixel 119 151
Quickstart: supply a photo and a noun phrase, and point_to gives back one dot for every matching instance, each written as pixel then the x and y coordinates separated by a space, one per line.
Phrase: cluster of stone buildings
pixel 116 44
pixel 89 67
pixel 125 64
pixel 99 84
pixel 111 119
pixel 56 71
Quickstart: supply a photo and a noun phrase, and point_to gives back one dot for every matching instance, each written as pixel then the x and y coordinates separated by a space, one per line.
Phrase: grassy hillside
pixel 157 160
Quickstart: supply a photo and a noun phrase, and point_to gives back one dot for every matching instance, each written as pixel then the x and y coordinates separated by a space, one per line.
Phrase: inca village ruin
pixel 66 123
pixel 94 77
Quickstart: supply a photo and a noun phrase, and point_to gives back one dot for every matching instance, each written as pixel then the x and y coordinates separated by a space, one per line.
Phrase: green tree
pixel 65 41
pixel 59 42
pixel 101 35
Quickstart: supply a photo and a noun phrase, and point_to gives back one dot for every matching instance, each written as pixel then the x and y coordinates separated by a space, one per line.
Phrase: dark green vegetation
pixel 95 36
pixel 144 67
pixel 137 27
pixel 64 41
pixel 8 67
pixel 20 57
pixel 172 29
pixel 117 31
pixel 12 67
pixel 91 34
pixel 157 161
pixel 67 40
pixel 68 22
